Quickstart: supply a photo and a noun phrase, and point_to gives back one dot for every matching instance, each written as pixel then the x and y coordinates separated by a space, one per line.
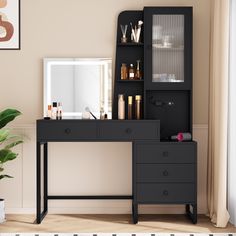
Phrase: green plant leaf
pixel 8 115
pixel 4 133
pixel 5 176
pixel 7 155
pixel 11 145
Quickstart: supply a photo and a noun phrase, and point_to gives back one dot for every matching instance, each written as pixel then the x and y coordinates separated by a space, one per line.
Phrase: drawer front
pixel 147 173
pixel 166 152
pixel 66 130
pixel 166 193
pixel 129 130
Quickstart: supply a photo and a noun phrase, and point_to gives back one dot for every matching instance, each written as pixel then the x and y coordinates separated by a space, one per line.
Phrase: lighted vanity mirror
pixel 78 84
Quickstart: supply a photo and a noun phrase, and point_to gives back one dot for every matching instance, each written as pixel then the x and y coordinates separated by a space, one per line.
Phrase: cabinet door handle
pixel 67 131
pixel 165 173
pixel 165 154
pixel 165 193
pixel 128 131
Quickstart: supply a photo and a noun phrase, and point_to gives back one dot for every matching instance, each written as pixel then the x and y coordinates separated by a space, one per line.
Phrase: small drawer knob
pixel 165 154
pixel 165 193
pixel 67 131
pixel 165 173
pixel 128 131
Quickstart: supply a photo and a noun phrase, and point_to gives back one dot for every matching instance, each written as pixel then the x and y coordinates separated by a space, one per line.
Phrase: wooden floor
pixel 110 224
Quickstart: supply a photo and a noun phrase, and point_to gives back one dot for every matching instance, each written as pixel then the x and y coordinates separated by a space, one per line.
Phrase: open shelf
pixel 129 44
pixel 130 81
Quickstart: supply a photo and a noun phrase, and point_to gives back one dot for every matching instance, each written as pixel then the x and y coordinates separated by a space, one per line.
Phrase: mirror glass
pixel 78 84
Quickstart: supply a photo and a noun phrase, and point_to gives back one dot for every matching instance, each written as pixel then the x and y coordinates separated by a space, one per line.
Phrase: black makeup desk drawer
pixel 129 129
pixel 166 152
pixel 66 130
pixel 166 193
pixel 148 173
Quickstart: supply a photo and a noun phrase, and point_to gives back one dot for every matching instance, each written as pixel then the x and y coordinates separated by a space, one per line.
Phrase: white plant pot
pixel 2 210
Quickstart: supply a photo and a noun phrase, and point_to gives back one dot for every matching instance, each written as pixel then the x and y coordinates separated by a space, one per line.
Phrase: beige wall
pixel 76 28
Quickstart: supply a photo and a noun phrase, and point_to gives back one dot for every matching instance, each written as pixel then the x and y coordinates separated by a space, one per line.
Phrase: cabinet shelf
pixel 130 44
pixel 167 49
pixel 130 81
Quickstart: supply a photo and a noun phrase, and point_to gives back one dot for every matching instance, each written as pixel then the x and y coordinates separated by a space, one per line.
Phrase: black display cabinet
pixel 164 172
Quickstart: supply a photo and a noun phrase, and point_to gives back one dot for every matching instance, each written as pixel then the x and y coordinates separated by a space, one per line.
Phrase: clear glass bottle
pixel 130 107
pixel 124 72
pixel 138 74
pixel 138 107
pixel 121 106
pixel 131 72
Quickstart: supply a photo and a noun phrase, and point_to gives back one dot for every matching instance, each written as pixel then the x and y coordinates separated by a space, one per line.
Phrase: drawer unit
pixel 65 130
pixel 129 129
pixel 166 152
pixel 166 193
pixel 147 173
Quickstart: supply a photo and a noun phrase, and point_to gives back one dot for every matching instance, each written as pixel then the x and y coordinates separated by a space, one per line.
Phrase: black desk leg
pixel 135 212
pixel 45 171
pixel 40 215
pixel 192 213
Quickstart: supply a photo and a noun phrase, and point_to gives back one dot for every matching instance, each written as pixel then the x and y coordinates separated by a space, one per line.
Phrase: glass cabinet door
pixel 168 48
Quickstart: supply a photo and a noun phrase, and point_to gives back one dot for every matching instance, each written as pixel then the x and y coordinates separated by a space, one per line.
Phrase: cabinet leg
pixel 192 214
pixel 135 212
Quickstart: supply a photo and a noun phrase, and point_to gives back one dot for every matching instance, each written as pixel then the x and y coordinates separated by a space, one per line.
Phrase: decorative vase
pixel 2 211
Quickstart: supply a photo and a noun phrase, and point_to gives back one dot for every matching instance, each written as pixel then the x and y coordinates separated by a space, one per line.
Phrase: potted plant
pixel 7 142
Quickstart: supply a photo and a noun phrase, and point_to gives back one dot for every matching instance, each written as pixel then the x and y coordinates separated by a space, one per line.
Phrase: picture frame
pixel 10 25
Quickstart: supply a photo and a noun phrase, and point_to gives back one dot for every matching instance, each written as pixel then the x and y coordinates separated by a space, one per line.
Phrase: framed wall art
pixel 9 24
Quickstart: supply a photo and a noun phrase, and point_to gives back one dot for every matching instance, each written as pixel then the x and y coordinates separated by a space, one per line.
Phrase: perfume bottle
pixel 130 107
pixel 138 74
pixel 121 107
pixel 124 72
pixel 131 72
pixel 138 106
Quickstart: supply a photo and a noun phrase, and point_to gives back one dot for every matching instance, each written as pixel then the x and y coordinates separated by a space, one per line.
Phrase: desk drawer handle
pixel 165 193
pixel 165 154
pixel 165 173
pixel 67 131
pixel 128 131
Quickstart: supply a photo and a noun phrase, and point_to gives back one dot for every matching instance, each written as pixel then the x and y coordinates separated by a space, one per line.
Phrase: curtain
pixel 218 113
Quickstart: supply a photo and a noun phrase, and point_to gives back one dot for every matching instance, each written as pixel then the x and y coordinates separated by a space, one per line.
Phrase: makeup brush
pixel 88 110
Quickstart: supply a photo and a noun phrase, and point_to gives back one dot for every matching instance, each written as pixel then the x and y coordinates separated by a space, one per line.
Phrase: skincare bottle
pixel 130 107
pixel 102 114
pixel 49 111
pixel 124 72
pixel 59 111
pixel 138 74
pixel 54 110
pixel 138 105
pixel 121 107
pixel 131 72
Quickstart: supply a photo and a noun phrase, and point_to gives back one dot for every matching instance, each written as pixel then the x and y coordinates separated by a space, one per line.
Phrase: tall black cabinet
pixel 165 171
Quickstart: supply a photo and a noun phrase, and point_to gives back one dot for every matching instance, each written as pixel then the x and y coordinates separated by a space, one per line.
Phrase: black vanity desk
pixel 89 131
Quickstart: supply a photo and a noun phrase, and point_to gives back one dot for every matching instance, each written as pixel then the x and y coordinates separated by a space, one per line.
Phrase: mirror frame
pixel 48 62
